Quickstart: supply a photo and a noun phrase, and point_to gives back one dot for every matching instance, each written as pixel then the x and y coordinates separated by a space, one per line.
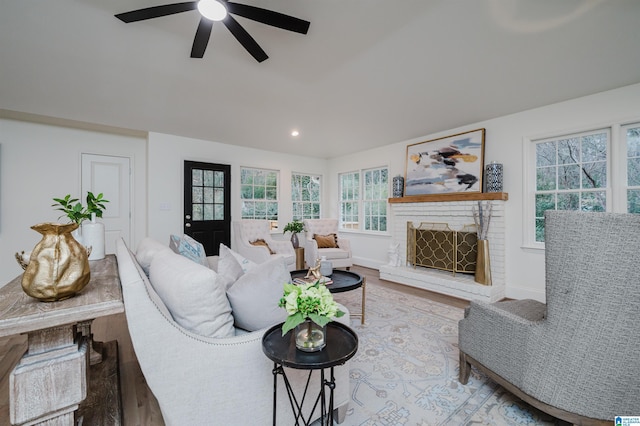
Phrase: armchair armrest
pixel 344 244
pixel 496 336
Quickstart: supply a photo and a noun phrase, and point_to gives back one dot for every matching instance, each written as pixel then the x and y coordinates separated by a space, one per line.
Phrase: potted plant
pixel 91 234
pixel 310 307
pixel 76 212
pixel 295 228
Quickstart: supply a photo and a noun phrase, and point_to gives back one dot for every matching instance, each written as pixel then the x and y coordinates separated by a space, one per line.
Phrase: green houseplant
pixel 76 212
pixel 295 228
pixel 310 308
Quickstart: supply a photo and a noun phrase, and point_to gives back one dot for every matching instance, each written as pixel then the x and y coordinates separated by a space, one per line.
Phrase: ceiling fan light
pixel 212 9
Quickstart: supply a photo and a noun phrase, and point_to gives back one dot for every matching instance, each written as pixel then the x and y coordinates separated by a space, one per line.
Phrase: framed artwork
pixel 445 165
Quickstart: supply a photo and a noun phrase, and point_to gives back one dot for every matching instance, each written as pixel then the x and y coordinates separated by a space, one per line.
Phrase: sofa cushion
pixel 192 295
pixel 255 295
pixel 326 241
pixel 147 249
pixel 189 248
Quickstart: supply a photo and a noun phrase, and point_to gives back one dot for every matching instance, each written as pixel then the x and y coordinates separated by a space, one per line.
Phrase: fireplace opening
pixel 436 245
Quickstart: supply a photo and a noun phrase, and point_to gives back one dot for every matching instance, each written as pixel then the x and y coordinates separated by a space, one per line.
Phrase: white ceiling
pixel 368 73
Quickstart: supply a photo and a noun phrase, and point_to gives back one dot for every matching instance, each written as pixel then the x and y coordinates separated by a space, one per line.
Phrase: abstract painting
pixel 446 165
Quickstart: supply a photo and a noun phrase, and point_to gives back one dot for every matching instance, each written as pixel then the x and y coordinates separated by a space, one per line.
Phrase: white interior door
pixel 111 176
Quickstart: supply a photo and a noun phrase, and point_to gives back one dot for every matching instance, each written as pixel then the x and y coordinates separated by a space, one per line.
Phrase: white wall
pixel 41 161
pixel 504 144
pixel 166 156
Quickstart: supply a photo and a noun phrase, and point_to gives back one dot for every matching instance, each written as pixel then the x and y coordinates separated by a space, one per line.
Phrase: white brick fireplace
pixel 456 211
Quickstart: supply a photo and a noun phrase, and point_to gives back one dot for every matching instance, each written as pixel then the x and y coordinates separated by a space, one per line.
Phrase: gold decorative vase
pixel 483 263
pixel 58 266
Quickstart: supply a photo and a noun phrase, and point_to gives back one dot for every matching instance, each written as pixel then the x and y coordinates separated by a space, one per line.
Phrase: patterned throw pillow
pixel 189 248
pixel 326 241
pixel 261 242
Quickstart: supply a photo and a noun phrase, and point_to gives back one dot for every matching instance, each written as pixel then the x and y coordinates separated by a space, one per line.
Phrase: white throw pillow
pixel 255 295
pixel 189 248
pixel 192 295
pixel 147 249
pixel 229 269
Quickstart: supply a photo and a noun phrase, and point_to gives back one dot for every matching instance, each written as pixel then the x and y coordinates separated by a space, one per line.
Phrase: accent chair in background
pixel 322 240
pixel 252 239
pixel 575 357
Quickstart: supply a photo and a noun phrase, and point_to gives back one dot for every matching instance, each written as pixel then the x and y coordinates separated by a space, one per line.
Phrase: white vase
pixel 93 236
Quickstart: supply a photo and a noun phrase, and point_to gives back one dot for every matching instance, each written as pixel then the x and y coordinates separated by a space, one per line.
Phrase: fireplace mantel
pixel 462 196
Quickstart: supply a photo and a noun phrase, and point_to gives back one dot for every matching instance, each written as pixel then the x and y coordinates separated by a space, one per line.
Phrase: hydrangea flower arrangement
pixel 312 300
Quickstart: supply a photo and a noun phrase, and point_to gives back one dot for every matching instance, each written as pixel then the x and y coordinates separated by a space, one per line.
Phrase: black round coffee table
pixel 342 344
pixel 342 281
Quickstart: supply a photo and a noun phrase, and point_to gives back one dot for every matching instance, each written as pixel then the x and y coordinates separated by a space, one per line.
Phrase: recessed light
pixel 295 133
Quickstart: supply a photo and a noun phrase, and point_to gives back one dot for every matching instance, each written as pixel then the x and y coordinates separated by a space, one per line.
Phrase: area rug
pixel 406 369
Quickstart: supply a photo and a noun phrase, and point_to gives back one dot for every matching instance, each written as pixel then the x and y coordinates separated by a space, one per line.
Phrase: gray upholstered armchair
pixel 576 357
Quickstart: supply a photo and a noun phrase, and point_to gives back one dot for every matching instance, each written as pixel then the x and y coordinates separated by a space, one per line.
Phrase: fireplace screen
pixel 435 245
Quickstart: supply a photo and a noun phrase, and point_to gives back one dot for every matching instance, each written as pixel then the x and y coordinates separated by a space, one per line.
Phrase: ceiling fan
pixel 220 10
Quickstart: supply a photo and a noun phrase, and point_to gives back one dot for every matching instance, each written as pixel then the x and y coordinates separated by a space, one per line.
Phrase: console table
pixel 51 380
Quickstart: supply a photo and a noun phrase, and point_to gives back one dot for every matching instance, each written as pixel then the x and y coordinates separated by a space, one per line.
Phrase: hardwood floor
pixel 140 407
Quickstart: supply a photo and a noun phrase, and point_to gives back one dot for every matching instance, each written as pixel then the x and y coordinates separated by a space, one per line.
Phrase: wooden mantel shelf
pixel 432 198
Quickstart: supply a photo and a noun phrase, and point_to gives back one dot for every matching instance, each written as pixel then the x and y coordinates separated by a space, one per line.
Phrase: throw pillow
pixel 245 263
pixel 326 241
pixel 147 249
pixel 192 295
pixel 261 242
pixel 229 269
pixel 189 248
pixel 254 296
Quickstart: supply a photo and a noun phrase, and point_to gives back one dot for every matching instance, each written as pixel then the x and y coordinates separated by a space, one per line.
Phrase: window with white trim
pixel 597 170
pixel 363 199
pixel 632 138
pixel 349 200
pixel 374 200
pixel 305 196
pixel 259 194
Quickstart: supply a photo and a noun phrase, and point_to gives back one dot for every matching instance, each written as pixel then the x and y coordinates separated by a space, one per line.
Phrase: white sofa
pixel 247 231
pixel 201 380
pixel 340 255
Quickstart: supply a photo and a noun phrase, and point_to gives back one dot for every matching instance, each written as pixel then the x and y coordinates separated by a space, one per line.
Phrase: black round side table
pixel 342 344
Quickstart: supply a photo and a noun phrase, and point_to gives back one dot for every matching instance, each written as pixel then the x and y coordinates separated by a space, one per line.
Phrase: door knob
pixel 187 225
pixel 188 217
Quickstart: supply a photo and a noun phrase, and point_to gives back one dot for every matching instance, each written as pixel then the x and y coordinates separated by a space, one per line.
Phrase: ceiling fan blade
pixel 245 39
pixel 269 17
pixel 156 11
pixel 202 38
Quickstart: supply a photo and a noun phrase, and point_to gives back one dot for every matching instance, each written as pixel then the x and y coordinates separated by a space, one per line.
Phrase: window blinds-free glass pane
pixel 196 177
pixel 633 201
pixel 208 178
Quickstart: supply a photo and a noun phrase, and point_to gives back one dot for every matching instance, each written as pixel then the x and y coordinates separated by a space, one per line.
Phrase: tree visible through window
pixel 259 193
pixel 571 174
pixel 305 196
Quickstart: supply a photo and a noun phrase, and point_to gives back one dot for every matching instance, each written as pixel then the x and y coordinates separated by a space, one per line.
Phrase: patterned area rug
pixel 406 369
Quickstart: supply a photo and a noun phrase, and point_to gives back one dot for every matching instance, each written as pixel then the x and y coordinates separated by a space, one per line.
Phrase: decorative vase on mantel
pixel 58 267
pixel 310 337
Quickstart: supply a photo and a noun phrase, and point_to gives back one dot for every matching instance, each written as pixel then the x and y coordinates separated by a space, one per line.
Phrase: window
pixel 259 194
pixel 594 171
pixel 374 200
pixel 305 196
pixel 370 199
pixel 632 139
pixel 349 199
pixel 571 174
